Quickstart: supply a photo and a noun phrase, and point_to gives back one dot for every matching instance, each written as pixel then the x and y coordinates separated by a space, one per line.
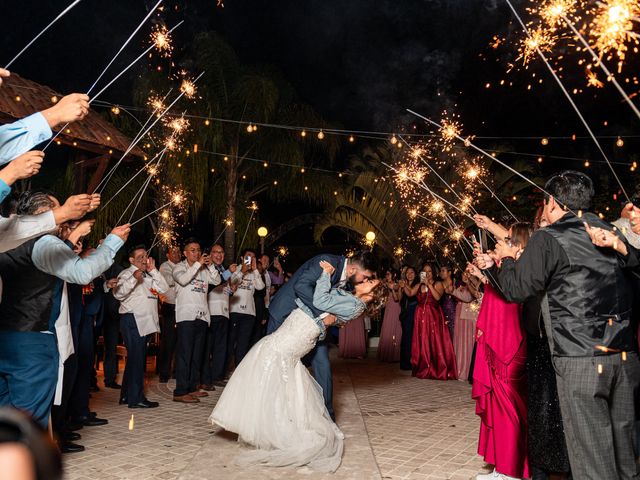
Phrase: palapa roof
pixel 20 97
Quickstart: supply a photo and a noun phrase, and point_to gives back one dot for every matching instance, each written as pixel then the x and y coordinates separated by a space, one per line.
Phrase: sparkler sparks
pixel 553 12
pixel 541 39
pixel 612 26
pixel 162 40
pixel 593 80
pixel 188 88
pixel 156 103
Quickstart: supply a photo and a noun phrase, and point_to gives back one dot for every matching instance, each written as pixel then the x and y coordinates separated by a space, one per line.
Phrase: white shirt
pixel 192 287
pixel 242 300
pixel 17 229
pixel 139 299
pixel 166 269
pixel 219 296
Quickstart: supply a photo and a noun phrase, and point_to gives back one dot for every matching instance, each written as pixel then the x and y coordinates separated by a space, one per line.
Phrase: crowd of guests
pixel 429 321
pixel 544 324
pixel 61 295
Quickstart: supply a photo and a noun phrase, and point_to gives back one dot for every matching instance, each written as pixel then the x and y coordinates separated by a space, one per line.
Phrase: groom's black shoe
pixel 145 404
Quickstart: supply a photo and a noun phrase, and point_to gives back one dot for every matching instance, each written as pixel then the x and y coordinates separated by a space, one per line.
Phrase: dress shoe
pixel 113 385
pixel 185 399
pixel 92 421
pixel 70 447
pixel 71 436
pixel 207 386
pixel 199 394
pixel 145 404
pixel 163 379
pixel 74 425
pixel 94 388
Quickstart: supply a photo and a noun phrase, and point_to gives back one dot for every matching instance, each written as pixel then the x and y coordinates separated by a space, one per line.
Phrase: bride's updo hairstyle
pixel 378 299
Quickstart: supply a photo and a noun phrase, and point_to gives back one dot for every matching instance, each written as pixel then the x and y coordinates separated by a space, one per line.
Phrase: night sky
pixel 359 63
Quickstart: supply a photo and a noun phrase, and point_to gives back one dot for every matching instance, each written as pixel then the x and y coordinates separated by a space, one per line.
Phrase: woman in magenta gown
pixel 432 354
pixel 500 379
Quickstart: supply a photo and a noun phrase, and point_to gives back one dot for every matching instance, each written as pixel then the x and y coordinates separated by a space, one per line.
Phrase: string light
pixel 320 135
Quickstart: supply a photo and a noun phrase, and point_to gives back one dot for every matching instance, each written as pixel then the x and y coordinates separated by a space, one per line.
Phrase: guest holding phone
pixel 242 308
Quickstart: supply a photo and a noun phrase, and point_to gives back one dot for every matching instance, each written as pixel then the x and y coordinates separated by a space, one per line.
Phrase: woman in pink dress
pixel 467 310
pixel 391 331
pixel 500 379
pixel 352 341
pixel 432 353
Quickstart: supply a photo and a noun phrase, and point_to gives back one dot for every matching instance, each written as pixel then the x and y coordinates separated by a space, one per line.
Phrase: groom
pixel 359 268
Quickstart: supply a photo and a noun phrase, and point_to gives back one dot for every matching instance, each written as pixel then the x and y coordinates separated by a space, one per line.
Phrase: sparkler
pixel 144 20
pixel 176 199
pixel 161 39
pixel 139 137
pixel 568 96
pixel 60 15
pixel 612 26
pixel 188 87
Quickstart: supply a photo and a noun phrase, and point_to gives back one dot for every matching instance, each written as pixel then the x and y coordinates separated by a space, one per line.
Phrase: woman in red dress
pixel 432 354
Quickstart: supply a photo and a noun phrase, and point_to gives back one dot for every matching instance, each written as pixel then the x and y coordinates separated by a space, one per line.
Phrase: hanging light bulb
pixel 544 141
pixel 352 139
pixel 303 133
pixel 249 128
pixel 619 142
pixel 393 140
pixel 320 135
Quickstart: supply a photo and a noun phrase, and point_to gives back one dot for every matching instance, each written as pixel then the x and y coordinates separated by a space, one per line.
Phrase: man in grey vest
pixel 587 314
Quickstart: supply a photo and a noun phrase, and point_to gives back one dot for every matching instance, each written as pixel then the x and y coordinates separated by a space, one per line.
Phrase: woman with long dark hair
pixel 432 354
pixel 500 378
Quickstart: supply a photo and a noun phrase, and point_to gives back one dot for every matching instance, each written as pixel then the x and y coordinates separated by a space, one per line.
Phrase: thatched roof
pixel 20 97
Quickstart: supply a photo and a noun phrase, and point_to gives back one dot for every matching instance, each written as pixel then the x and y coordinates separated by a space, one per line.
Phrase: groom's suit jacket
pixel 302 286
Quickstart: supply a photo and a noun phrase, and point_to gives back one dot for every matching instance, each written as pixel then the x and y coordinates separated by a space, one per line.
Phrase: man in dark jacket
pixel 587 314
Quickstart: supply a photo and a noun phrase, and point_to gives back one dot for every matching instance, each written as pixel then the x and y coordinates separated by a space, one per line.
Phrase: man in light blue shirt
pixel 31 305
pixel 21 136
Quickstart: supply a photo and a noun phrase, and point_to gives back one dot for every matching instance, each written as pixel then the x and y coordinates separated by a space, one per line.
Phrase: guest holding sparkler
pixel 587 312
pixel 31 311
pixel 499 376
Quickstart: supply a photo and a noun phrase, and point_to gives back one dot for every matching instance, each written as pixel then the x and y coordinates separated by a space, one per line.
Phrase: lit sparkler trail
pixel 144 20
pixel 568 96
pixel 97 95
pixel 135 142
pixel 177 199
pixel 452 133
pixel 60 15
pixel 592 79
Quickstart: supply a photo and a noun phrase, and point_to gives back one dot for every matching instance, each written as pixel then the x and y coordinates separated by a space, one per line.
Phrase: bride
pixel 272 401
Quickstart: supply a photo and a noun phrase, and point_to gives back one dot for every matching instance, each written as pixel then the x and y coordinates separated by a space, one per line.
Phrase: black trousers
pixel 79 401
pixel 240 331
pixel 215 352
pixel 191 338
pixel 166 362
pixel 60 413
pixel 110 334
pixel 133 378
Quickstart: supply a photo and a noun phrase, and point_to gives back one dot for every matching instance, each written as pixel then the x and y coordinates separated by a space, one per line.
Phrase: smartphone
pixel 480 240
pixel 247 260
pixel 423 276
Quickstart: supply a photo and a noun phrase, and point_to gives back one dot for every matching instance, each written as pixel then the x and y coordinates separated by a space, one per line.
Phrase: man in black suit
pixel 359 268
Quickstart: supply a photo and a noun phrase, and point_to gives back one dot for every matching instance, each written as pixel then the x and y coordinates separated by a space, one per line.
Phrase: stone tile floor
pixel 396 427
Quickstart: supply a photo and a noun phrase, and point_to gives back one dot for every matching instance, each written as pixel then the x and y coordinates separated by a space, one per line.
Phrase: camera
pixel 247 260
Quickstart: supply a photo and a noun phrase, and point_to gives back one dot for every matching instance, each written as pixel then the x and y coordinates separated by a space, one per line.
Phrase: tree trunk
pixel 231 191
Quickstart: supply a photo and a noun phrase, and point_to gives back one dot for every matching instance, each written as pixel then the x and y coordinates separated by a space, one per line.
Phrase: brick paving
pixel 396 427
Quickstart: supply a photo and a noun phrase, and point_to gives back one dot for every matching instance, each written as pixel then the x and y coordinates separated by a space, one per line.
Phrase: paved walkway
pixel 396 427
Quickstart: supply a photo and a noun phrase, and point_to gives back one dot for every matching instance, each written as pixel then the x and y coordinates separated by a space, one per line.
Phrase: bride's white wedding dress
pixel 275 405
